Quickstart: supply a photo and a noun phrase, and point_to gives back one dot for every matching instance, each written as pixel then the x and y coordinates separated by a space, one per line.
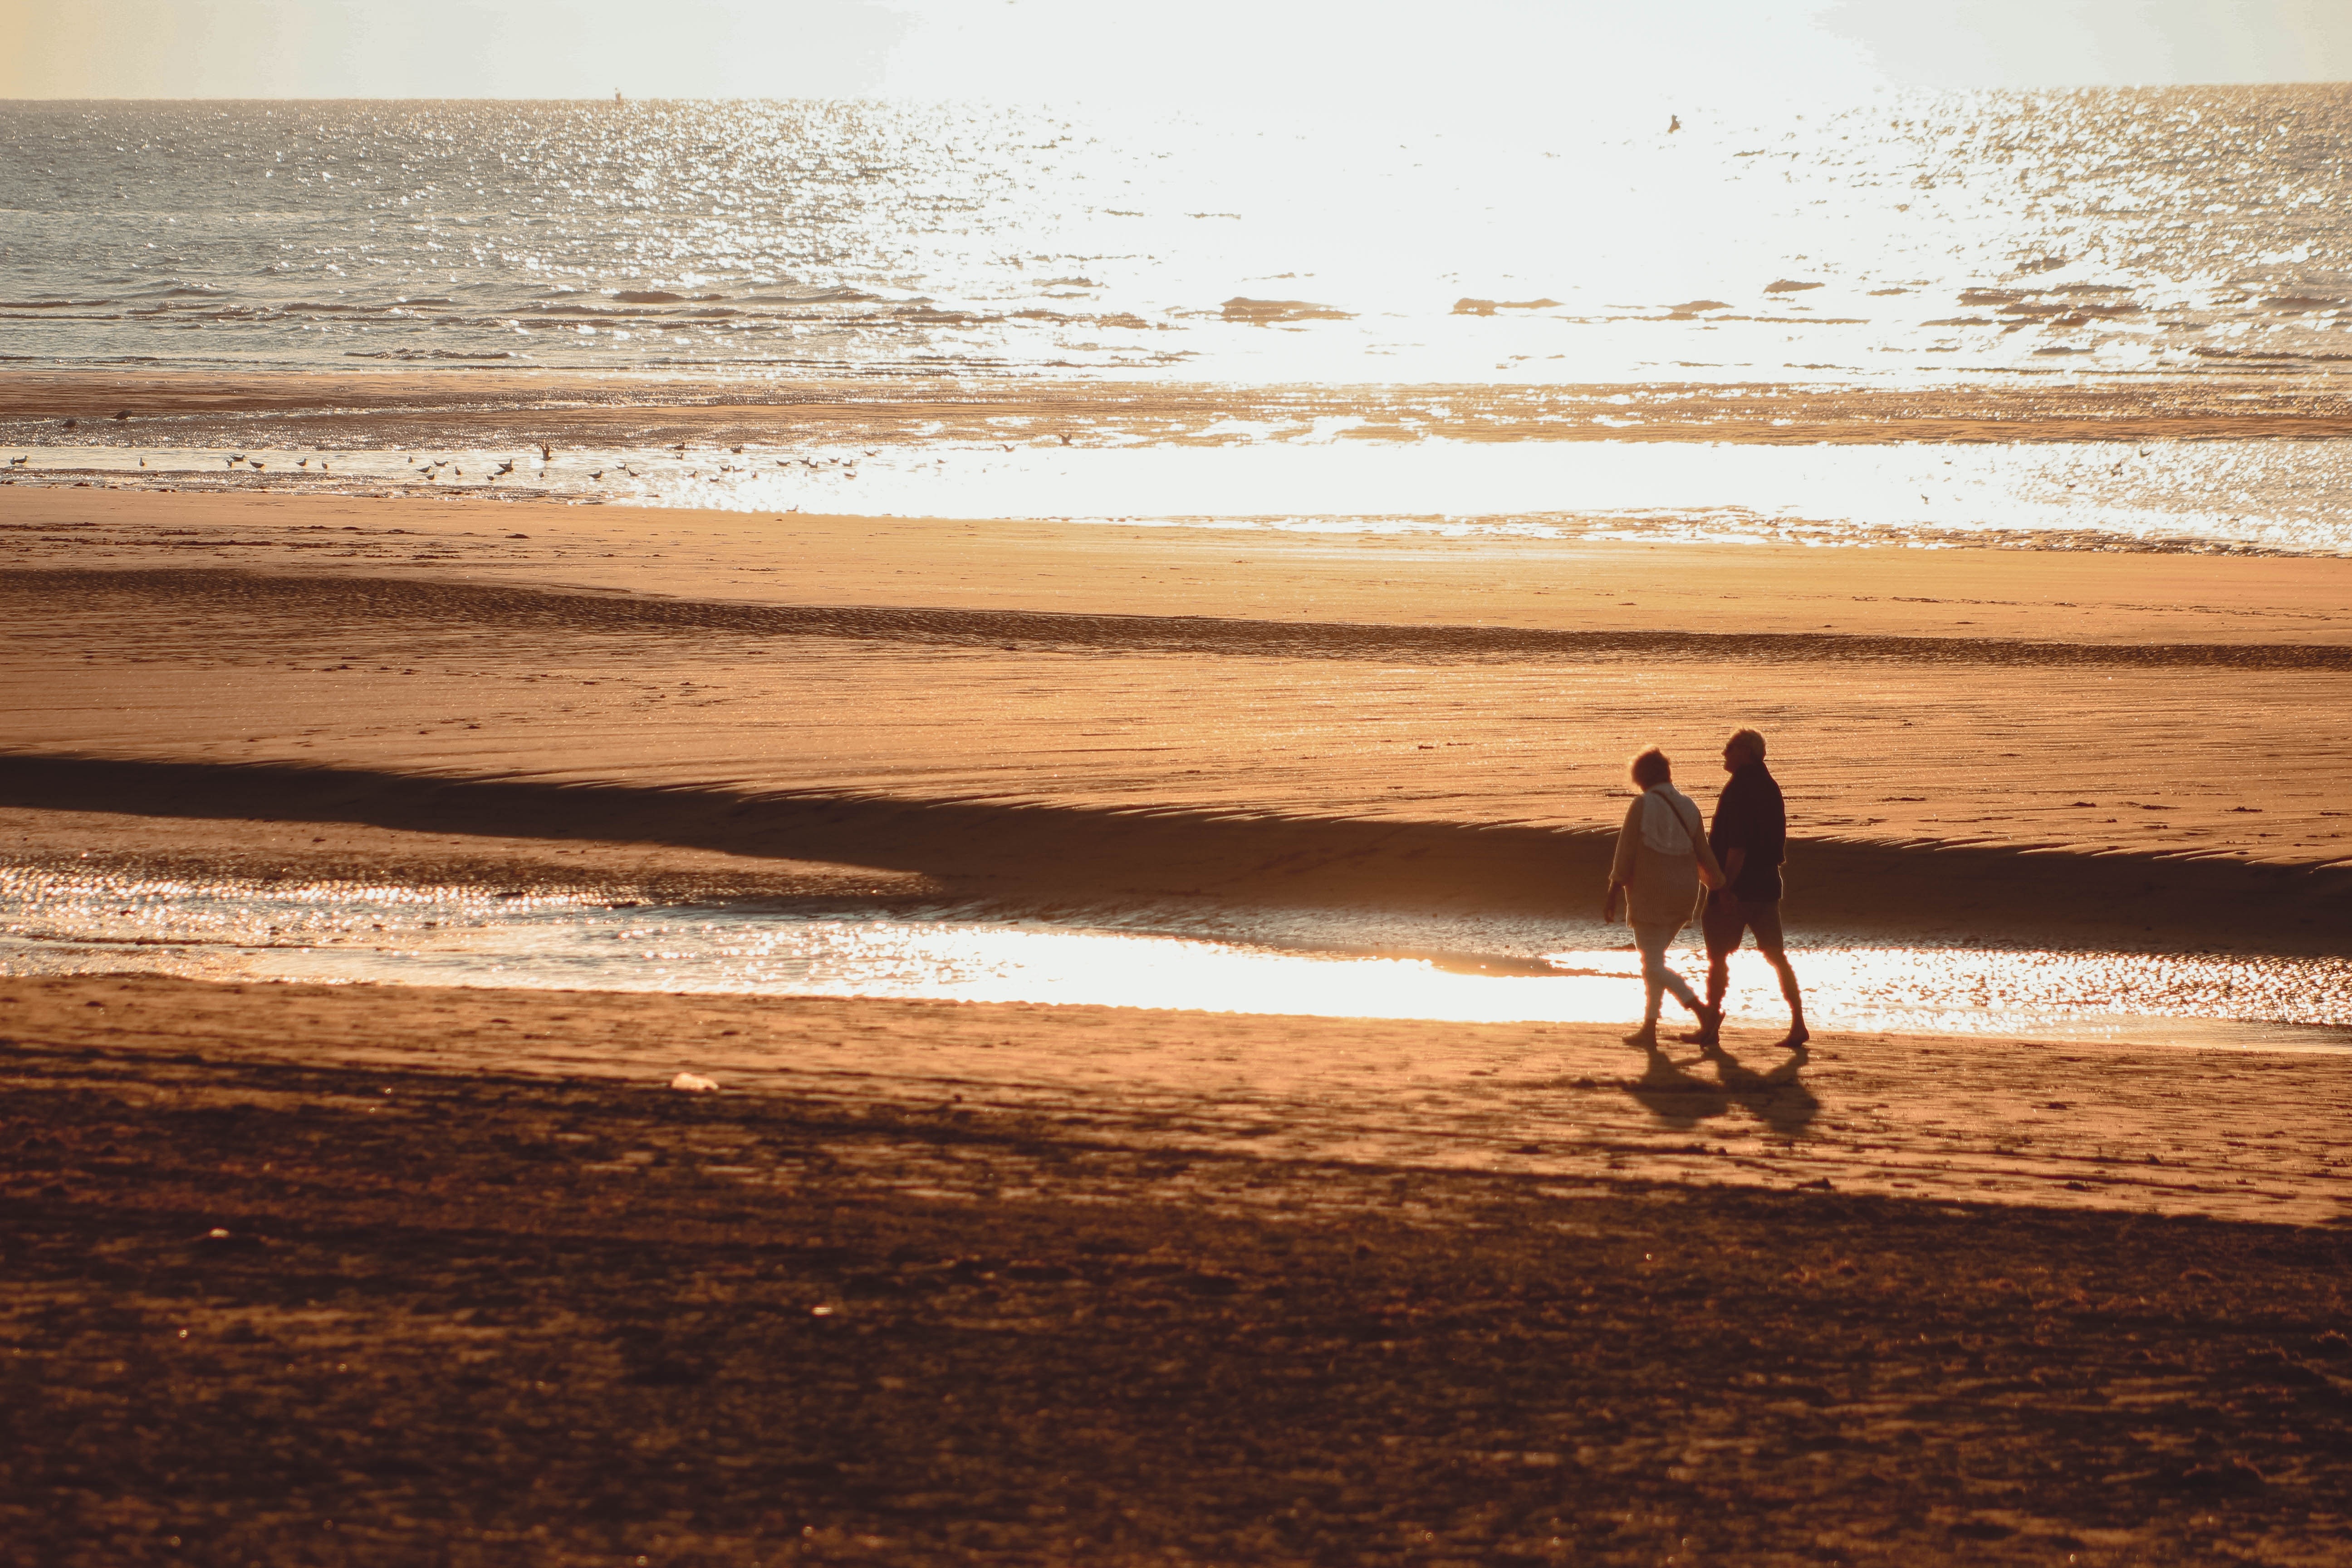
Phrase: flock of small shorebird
pixel 432 470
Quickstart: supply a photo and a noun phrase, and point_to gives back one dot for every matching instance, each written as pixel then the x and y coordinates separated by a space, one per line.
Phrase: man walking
pixel 1749 836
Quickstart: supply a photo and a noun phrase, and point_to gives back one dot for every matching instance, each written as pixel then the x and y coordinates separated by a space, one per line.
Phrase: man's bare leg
pixel 1718 982
pixel 1798 1034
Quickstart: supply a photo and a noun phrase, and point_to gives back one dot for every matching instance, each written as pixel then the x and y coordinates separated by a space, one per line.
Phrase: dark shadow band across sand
pixel 1041 858
pixel 416 604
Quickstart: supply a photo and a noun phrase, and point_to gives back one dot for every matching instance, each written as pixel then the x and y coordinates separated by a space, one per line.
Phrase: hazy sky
pixel 1222 56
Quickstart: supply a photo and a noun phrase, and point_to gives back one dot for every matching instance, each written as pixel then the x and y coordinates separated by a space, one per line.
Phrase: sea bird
pixel 505 467
pixel 546 453
pixel 20 462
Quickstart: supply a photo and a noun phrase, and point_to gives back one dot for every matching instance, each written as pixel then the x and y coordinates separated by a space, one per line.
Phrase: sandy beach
pixel 926 1280
pixel 832 784
pixel 2121 748
pixel 363 1274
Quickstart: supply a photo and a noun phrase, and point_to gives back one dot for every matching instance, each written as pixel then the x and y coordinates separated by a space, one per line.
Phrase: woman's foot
pixel 1643 1039
pixel 1795 1039
pixel 1710 1026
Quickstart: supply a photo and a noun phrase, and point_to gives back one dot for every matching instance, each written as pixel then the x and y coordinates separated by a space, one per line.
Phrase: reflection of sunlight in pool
pixel 59 924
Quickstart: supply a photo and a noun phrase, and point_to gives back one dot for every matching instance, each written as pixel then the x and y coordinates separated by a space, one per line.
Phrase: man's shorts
pixel 1723 927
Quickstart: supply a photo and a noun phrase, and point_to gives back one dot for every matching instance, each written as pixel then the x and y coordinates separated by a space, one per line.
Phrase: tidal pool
pixel 1323 963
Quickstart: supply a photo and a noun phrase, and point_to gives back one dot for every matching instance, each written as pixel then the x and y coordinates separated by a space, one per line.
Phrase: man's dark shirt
pixel 1749 815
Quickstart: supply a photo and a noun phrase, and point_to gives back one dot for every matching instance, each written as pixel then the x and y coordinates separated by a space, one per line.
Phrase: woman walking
pixel 1661 859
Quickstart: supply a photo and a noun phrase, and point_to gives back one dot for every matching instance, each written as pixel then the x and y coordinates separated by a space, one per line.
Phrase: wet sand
pixel 2135 749
pixel 470 406
pixel 359 1275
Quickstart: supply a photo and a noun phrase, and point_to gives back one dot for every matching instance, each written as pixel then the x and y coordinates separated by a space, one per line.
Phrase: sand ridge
pixel 414 606
pixel 1919 698
pixel 1091 568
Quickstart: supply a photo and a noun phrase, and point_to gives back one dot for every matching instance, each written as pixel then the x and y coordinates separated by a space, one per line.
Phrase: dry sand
pixel 2246 1135
pixel 350 1276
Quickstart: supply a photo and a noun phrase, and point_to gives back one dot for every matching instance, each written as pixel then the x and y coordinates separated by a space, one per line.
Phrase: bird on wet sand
pixel 20 462
pixel 505 467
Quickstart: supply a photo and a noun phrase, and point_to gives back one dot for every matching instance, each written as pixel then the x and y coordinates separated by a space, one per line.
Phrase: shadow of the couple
pixel 1675 1095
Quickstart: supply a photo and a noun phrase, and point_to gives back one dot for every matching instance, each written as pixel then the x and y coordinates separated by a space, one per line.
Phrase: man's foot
pixel 1643 1039
pixel 1795 1039
pixel 1710 1026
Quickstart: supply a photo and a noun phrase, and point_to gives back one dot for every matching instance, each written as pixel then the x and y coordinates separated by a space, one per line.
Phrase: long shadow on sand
pixel 1040 857
pixel 1670 1091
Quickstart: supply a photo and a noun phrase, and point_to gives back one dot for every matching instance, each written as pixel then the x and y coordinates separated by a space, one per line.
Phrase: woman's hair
pixel 1649 767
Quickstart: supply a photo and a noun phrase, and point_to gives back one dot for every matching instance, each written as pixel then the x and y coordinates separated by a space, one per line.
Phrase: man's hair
pixel 1749 738
pixel 1649 767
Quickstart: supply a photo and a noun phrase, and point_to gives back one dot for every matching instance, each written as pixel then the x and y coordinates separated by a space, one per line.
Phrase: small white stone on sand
pixel 694 1082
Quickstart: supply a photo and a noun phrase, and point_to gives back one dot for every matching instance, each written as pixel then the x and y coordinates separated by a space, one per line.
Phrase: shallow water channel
pixel 2290 497
pixel 64 921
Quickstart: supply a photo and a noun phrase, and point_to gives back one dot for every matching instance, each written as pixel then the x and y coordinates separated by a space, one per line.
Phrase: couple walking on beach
pixel 1663 860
